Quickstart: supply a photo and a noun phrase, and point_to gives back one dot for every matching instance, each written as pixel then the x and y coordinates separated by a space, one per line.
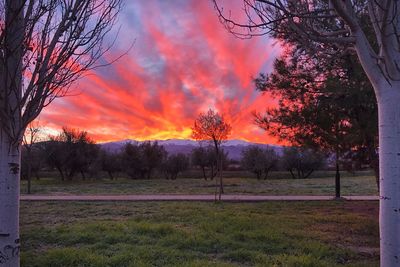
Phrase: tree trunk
pixel 389 165
pixel 61 173
pixel 308 173
pixel 29 175
pixel 374 164
pixel 375 168
pixel 337 179
pixel 221 184
pixel 204 173
pixel 213 174
pixel 266 173
pixel 9 201
pixel 29 181
pixel 291 172
pixel 110 175
pixel 337 174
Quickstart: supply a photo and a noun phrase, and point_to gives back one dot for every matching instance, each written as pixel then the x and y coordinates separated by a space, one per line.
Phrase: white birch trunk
pixel 389 165
pixel 9 202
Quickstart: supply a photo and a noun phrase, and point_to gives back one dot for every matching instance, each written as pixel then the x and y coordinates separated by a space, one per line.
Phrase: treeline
pixel 300 162
pixel 74 154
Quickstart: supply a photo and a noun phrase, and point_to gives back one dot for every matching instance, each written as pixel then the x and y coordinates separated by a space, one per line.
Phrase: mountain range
pixel 234 148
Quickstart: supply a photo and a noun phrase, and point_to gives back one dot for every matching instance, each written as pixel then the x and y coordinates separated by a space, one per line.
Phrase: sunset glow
pixel 183 62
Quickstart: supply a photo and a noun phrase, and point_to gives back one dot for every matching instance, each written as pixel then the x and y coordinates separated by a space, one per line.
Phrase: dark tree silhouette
pixel 110 162
pixel 174 164
pixel 301 162
pixel 259 161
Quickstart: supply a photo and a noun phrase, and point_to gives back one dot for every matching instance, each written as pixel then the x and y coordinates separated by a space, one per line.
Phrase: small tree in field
pixel 173 165
pixel 212 127
pixel 110 162
pixel 45 45
pixel 141 160
pixel 132 161
pixel 200 159
pixel 259 161
pixel 152 155
pixel 31 137
pixel 253 160
pixel 205 158
pixel 72 152
pixel 301 162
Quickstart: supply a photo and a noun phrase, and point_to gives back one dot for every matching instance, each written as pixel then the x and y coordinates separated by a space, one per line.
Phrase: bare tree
pixel 45 45
pixel 30 138
pixel 212 127
pixel 369 28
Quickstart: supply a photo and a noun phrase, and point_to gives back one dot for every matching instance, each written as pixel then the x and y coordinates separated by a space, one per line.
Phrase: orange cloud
pixel 183 62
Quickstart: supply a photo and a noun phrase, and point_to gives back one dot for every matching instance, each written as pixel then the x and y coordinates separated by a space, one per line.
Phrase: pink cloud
pixel 183 62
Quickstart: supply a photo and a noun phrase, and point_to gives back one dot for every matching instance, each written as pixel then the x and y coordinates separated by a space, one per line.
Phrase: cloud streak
pixel 183 62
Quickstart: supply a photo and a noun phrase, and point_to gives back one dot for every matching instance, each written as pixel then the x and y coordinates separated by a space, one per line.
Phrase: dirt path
pixel 226 198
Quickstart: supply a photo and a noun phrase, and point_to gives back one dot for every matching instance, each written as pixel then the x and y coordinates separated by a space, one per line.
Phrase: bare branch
pixel 62 40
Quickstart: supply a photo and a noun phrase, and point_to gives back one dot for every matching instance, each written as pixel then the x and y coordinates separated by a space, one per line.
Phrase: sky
pixel 182 62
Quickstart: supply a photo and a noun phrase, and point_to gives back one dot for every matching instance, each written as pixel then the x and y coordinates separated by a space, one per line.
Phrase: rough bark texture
pixel 9 202
pixel 389 153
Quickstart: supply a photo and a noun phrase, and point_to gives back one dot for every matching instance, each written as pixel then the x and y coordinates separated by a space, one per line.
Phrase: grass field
pixel 322 183
pixel 199 234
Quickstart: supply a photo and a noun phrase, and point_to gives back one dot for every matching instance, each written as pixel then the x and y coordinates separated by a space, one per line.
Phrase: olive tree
pixel 371 30
pixel 259 161
pixel 301 162
pixel 212 127
pixel 173 165
pixel 205 158
pixel 45 45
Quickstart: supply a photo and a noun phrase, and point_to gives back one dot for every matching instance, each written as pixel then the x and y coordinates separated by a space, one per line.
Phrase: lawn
pixel 322 183
pixel 199 234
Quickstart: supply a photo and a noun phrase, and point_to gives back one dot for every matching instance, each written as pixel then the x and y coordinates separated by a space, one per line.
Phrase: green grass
pixel 321 184
pixel 199 234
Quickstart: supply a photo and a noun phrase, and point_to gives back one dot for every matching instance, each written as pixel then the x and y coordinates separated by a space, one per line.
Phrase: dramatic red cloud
pixel 183 63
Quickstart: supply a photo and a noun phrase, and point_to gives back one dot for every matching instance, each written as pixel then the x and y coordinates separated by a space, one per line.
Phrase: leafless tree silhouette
pixel 45 45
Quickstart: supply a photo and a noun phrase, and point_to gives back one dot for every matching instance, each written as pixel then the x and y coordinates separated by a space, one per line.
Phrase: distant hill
pixel 174 146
